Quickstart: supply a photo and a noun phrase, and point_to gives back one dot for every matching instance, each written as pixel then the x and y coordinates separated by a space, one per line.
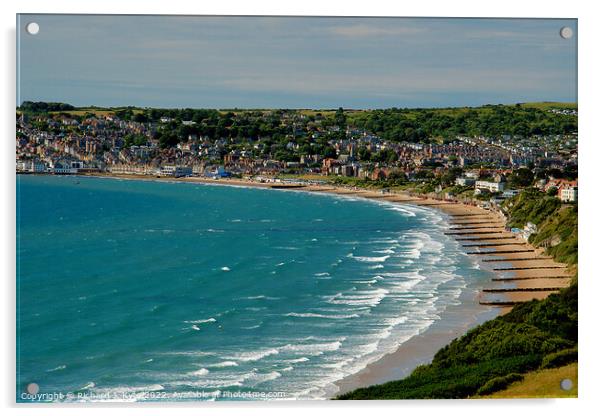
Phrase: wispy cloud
pixel 374 30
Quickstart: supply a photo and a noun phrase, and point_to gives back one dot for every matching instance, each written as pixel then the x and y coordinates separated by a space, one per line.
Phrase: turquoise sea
pixel 143 290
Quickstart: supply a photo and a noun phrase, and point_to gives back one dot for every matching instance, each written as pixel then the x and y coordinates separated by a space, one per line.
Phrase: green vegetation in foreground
pixel 542 383
pixel 556 223
pixel 484 358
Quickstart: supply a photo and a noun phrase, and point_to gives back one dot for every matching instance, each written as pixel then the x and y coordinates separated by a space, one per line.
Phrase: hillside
pixel 556 223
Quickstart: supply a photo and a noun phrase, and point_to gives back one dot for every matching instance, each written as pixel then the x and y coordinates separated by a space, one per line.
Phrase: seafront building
pixel 175 171
pixel 490 186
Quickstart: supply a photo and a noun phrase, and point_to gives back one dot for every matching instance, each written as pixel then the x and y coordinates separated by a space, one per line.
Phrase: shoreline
pixel 524 278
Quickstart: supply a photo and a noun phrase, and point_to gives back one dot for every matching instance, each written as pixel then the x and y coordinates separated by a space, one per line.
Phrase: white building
pixel 63 169
pixel 33 166
pixel 568 194
pixel 217 172
pixel 490 186
pixel 464 181
pixel 176 171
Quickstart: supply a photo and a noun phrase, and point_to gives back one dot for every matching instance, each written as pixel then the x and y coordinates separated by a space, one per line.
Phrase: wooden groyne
pixel 374 196
pixel 485 253
pixel 502 269
pixel 493 244
pixel 429 204
pixel 500 302
pixel 287 186
pixel 495 227
pixel 320 189
pixel 466 215
pixel 523 289
pixel 349 193
pixel 512 279
pixel 474 232
pixel 484 238
pixel 473 222
pixel 513 260
pixel 399 197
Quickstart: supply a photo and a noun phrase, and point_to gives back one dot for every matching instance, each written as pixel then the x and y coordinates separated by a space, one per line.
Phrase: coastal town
pixel 299 207
pixel 297 146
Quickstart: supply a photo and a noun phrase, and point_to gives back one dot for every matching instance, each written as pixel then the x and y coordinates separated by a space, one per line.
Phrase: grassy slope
pixel 561 227
pixel 556 223
pixel 541 383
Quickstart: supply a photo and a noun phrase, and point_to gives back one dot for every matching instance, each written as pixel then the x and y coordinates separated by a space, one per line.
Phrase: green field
pixel 541 384
pixel 546 105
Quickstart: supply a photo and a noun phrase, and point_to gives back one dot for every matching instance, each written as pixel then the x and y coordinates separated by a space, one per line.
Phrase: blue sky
pixel 292 62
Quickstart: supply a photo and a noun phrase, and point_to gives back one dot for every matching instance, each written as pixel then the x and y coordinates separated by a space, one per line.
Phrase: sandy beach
pixel 522 273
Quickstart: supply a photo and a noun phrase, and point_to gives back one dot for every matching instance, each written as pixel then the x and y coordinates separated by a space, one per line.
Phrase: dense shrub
pixel 399 124
pixel 560 358
pixel 456 382
pixel 556 315
pixel 43 107
pixel 499 383
pixel 497 339
pixel 531 206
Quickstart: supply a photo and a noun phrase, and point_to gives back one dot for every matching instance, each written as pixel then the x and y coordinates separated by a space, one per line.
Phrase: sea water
pixel 141 290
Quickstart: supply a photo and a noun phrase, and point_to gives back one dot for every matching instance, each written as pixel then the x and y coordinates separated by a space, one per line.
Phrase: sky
pixel 294 62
